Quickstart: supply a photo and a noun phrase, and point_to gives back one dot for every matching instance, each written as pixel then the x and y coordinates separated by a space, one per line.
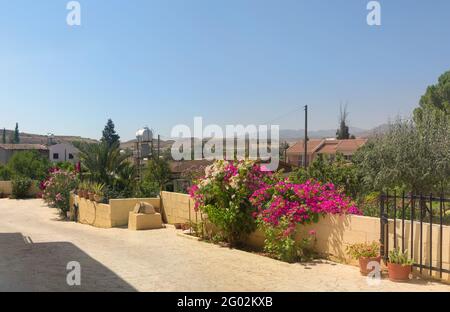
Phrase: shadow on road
pixel 28 266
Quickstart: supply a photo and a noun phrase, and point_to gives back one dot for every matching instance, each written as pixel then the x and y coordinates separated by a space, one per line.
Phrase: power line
pixel 285 114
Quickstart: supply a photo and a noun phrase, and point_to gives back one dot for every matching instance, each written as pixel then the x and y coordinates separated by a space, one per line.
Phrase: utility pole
pixel 159 145
pixel 306 138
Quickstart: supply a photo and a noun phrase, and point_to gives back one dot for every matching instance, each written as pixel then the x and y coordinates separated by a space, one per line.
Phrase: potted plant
pixel 91 196
pixel 365 253
pixel 399 265
pixel 86 190
pixel 90 193
pixel 97 189
pixel 81 189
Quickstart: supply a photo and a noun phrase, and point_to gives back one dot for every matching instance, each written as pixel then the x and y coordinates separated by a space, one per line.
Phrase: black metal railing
pixel 431 211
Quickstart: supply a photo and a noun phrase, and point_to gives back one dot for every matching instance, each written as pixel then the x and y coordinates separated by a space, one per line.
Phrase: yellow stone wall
pixel 6 188
pixel 178 208
pixel 120 208
pixel 114 214
pixel 92 213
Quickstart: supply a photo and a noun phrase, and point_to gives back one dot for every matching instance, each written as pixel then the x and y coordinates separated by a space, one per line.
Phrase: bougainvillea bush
pixel 223 194
pixel 57 187
pixel 282 206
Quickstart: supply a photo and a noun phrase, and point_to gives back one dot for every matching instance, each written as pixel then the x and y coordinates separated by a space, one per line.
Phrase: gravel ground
pixel 35 248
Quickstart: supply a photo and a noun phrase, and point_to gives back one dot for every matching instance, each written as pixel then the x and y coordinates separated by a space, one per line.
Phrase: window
pixel 300 160
pixel 71 156
pixel 55 156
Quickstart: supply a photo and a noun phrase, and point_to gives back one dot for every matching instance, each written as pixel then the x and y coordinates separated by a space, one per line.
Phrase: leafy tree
pixel 343 133
pixel 283 149
pixel 437 96
pixel 16 139
pixel 4 136
pixel 29 164
pixel 341 173
pixel 110 137
pixel 412 156
pixel 157 172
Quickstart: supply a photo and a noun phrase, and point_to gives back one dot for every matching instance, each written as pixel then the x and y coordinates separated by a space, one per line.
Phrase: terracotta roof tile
pixel 23 147
pixel 299 147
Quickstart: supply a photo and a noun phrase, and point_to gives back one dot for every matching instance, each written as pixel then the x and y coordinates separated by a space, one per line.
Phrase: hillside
pixel 28 138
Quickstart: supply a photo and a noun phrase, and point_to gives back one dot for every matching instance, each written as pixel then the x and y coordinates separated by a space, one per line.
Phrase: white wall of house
pixel 63 152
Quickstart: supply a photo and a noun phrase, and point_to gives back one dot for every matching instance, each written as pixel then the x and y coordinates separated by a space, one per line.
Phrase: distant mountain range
pixel 295 135
pixel 318 134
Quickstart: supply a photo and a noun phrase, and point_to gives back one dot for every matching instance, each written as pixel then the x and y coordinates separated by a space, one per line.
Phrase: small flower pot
pixel 398 272
pixel 98 198
pixel 363 262
pixel 91 196
pixel 80 193
pixel 178 226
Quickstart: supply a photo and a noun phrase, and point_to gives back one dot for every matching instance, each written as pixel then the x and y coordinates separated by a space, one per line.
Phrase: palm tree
pixel 103 163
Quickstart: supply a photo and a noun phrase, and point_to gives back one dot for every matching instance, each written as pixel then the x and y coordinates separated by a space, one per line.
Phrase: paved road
pixel 35 248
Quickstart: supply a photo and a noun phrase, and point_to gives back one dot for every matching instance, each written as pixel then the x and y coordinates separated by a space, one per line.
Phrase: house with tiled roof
pixel 8 150
pixel 328 147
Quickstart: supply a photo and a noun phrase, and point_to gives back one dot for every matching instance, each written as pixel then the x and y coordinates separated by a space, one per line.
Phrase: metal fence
pixel 414 209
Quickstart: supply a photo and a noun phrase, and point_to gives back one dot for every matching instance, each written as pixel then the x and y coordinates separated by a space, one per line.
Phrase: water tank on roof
pixel 145 150
pixel 144 135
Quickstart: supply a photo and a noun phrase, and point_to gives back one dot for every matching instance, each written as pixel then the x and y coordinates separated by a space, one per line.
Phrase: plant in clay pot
pixel 97 189
pixel 89 193
pixel 85 190
pixel 399 265
pixel 365 253
pixel 81 189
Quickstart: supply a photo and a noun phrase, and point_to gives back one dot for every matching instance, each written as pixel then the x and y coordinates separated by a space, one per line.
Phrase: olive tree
pixel 414 156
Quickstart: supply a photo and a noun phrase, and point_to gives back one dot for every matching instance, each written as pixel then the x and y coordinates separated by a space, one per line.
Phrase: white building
pixel 63 152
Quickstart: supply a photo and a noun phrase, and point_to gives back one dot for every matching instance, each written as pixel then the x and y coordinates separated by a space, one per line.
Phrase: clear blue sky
pixel 162 62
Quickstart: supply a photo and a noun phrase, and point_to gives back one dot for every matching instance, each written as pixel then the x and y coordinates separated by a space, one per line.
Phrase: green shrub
pixel 147 189
pixel 57 188
pixel 29 164
pixel 5 173
pixel 287 248
pixel 21 187
pixel 66 166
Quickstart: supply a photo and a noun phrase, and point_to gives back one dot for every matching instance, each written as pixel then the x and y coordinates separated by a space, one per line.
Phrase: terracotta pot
pixel 80 193
pixel 177 226
pixel 98 198
pixel 91 196
pixel 398 272
pixel 363 262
